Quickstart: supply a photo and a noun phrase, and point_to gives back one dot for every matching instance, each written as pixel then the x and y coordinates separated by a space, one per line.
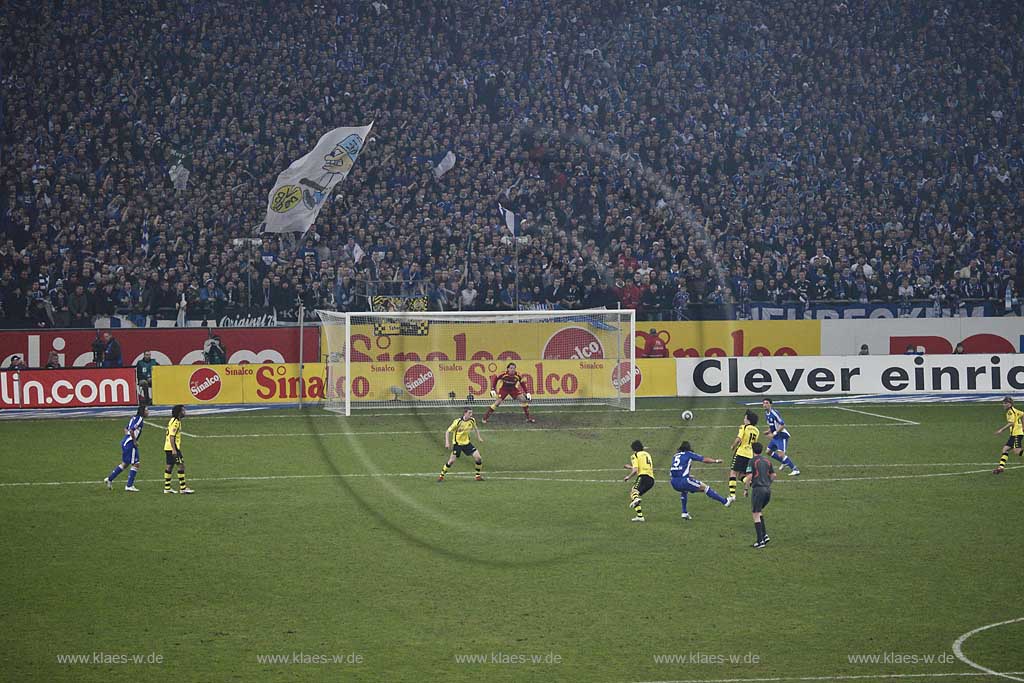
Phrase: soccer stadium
pixel 608 341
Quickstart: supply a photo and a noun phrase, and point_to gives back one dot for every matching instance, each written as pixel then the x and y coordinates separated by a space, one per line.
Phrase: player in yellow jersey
pixel 641 467
pixel 742 450
pixel 1015 423
pixel 172 449
pixel 456 438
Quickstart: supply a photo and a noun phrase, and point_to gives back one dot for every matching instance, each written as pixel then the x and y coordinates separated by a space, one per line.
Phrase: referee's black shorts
pixel 760 496
pixel 644 483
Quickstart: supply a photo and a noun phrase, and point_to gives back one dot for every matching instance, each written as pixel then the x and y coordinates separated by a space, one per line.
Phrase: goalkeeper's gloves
pixel 493 393
pixel 528 397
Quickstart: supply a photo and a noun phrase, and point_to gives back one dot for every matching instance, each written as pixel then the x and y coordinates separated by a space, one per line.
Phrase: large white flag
pixel 301 189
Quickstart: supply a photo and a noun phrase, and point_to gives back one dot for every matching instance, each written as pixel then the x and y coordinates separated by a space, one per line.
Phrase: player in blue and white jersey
pixel 780 437
pixel 130 450
pixel 679 476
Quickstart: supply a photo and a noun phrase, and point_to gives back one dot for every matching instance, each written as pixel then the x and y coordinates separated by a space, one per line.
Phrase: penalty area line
pixel 183 433
pixel 565 428
pixel 496 476
pixel 512 475
pixel 884 417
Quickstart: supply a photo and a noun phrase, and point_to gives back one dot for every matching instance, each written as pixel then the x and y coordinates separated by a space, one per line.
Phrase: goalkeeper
pixel 509 383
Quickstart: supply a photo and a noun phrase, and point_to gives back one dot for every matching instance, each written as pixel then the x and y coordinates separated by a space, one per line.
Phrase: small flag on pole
pixel 511 222
pixel 446 164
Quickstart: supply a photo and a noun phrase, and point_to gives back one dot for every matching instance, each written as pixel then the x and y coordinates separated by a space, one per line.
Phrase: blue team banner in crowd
pixel 855 311
pixel 300 190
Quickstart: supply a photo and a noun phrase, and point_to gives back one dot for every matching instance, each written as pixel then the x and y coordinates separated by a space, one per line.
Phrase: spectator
pixel 679 304
pixel 630 293
pixel 468 297
pixel 111 351
pixel 779 160
pixel 79 309
pixel 53 361
pixel 211 300
pixel 650 303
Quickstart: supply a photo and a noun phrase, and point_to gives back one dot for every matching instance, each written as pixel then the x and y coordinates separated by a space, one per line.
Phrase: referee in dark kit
pixel 760 476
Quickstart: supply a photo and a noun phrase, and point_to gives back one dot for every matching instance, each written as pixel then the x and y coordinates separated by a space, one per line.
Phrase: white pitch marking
pixel 852 677
pixel 884 417
pixel 565 428
pixel 183 433
pixel 958 649
pixel 236 412
pixel 792 480
pixel 494 475
pixel 894 476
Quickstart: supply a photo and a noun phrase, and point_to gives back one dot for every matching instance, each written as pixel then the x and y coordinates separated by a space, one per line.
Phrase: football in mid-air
pixel 687 415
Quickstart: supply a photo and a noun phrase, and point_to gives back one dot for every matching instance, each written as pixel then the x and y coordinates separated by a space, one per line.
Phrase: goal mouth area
pixel 425 360
pixel 565 404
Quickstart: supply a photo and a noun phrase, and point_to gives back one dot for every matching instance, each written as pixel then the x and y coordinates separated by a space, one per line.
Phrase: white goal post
pixel 434 359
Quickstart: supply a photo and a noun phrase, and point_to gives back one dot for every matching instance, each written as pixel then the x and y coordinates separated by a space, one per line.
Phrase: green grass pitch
pixel 320 547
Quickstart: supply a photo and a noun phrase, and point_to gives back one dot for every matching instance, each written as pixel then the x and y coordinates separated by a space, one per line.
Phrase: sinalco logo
pixel 573 343
pixel 621 378
pixel 419 380
pixel 204 384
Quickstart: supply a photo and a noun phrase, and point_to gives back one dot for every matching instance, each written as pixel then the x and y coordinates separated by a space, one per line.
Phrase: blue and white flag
pixel 299 193
pixel 511 222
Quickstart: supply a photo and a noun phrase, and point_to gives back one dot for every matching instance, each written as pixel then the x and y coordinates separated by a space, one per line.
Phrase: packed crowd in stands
pixel 658 155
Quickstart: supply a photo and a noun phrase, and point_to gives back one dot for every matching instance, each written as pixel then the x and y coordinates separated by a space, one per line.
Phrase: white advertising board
pixel 930 336
pixel 830 375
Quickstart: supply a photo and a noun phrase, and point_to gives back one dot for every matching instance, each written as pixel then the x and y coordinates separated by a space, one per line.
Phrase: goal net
pixel 430 359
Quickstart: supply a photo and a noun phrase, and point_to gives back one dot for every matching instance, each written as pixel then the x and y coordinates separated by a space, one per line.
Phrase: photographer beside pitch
pixel 760 476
